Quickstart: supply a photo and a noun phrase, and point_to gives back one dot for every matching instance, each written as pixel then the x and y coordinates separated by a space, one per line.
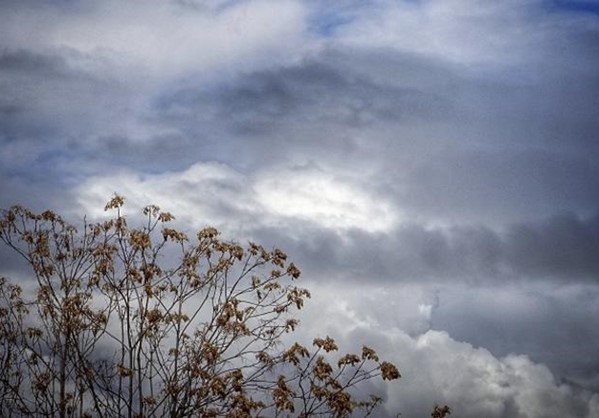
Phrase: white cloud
pixel 365 305
pixel 204 194
pixel 212 193
pixel 325 199
pixel 161 39
pixel 436 368
pixel 425 309
pixel 476 383
pixel 467 32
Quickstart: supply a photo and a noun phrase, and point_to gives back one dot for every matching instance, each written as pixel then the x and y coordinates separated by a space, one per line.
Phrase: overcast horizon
pixel 431 165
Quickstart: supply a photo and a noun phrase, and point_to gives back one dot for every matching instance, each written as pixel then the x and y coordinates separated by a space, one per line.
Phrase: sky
pixel 431 165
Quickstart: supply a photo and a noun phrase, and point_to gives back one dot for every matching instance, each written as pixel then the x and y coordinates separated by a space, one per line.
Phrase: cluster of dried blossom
pixel 146 322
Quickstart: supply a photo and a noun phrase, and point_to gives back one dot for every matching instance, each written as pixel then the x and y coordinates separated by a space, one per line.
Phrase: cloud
pixel 477 384
pixel 436 367
pixel 206 193
pixel 442 147
pixel 562 246
pixel 527 318
pixel 448 144
pixel 560 249
pixel 167 39
pixel 335 224
pixel 327 200
pixel 212 193
pixel 50 109
pixel 479 34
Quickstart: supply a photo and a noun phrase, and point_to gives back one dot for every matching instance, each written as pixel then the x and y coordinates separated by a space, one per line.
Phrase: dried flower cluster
pixel 440 411
pixel 143 322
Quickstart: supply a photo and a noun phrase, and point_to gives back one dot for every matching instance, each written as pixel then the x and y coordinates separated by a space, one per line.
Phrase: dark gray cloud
pixel 563 248
pixel 500 185
pixel 23 76
pixel 49 101
pixel 301 111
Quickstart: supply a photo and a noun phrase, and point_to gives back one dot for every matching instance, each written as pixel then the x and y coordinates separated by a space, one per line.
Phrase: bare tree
pixel 146 322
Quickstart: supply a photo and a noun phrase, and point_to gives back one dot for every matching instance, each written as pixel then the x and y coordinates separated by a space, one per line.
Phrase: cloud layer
pixel 435 160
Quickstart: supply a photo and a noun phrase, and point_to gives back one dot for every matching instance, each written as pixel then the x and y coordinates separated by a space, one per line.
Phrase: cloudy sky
pixel 432 165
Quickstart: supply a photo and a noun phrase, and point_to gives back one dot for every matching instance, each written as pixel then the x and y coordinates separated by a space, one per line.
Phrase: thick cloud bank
pixel 438 368
pixel 336 223
pixel 478 384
